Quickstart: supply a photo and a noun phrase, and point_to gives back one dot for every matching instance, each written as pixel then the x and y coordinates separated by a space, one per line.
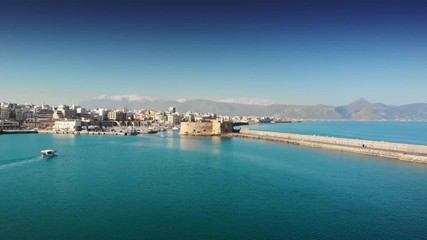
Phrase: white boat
pixel 175 128
pixel 48 153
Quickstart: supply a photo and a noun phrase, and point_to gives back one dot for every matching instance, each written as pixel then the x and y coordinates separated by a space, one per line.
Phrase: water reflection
pixel 208 144
pixel 65 138
pixel 189 143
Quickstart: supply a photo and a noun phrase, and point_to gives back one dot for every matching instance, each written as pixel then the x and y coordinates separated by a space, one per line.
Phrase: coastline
pixel 404 152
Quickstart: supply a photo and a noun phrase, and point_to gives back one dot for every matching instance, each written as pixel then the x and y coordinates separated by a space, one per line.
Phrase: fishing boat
pixel 48 153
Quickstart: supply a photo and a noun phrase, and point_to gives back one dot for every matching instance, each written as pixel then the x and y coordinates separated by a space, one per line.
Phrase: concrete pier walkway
pixel 405 152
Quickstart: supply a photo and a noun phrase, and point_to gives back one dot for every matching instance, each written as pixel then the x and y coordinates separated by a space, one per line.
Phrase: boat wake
pixel 17 162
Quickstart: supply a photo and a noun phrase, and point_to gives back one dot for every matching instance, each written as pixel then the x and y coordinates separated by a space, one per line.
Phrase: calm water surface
pixel 152 187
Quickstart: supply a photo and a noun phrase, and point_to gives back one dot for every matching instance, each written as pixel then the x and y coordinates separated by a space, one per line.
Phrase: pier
pixel 405 152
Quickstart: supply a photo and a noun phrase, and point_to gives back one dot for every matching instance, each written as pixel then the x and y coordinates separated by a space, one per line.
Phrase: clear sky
pixel 292 52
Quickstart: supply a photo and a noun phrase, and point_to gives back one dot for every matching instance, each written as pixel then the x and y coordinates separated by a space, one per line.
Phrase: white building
pixel 174 119
pixel 70 125
pixel 100 114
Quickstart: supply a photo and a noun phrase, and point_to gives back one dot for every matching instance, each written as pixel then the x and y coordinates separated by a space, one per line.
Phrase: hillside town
pixel 75 118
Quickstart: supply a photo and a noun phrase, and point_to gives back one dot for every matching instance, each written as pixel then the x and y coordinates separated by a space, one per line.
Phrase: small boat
pixel 48 153
pixel 175 128
pixel 133 133
pixel 148 131
pixel 152 131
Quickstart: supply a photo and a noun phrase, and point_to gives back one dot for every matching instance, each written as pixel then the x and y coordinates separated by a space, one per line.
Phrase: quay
pixel 18 131
pixel 404 152
pixel 83 132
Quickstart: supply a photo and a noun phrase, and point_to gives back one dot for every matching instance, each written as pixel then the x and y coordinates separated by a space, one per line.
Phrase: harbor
pixel 400 151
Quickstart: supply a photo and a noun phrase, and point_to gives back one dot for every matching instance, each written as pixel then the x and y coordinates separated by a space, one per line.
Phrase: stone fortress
pixel 207 127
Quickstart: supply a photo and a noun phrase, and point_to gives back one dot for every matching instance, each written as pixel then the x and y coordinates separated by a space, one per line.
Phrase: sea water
pixel 171 187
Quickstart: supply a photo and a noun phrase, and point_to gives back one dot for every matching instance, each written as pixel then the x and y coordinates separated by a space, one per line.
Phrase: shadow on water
pixel 9 163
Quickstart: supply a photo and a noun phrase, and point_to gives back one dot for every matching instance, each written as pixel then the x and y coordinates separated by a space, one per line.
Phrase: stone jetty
pixel 405 152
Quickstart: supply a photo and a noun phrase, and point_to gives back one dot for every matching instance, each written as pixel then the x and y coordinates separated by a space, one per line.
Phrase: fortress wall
pixel 196 128
pixel 216 128
pixel 407 152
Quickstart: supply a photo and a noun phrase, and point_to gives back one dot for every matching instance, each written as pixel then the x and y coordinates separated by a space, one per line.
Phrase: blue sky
pixel 292 52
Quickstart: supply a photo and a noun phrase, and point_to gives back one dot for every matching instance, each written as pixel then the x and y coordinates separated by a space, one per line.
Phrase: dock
pixel 84 133
pixel 18 131
pixel 404 152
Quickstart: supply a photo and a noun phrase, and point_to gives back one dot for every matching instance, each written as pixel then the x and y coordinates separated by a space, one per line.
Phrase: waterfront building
pixel 161 117
pixel 100 114
pixel 64 111
pixel 27 113
pixel 44 114
pixel 4 113
pixel 67 125
pixel 129 116
pixel 116 116
pixel 19 114
pixel 80 112
pixel 173 119
pixel 58 115
pixel 5 125
pixel 151 115
pixel 141 115
pixel 189 117
pixel 40 124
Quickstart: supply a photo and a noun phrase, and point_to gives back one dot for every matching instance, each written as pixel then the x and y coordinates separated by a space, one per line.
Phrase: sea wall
pixel 406 152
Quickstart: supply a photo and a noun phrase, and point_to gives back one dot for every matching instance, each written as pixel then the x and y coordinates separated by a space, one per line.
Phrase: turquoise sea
pixel 171 187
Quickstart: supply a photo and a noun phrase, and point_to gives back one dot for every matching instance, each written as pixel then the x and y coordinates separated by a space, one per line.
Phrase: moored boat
pixel 152 131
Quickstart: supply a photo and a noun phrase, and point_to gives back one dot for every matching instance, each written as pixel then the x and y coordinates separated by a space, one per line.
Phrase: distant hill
pixel 361 109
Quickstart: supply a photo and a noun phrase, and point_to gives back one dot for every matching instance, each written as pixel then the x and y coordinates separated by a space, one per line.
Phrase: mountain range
pixel 360 110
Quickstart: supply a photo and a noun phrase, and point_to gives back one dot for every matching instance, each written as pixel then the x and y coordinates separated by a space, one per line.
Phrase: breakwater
pixel 405 152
